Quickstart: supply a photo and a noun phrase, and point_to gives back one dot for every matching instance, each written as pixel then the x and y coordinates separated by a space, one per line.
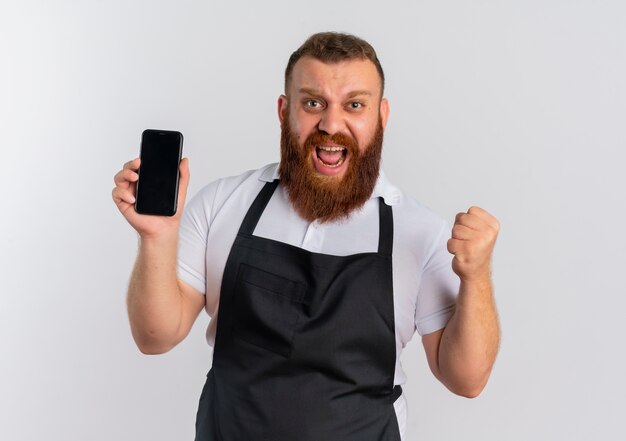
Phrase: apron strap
pixel 385 236
pixel 256 209
pixel 397 391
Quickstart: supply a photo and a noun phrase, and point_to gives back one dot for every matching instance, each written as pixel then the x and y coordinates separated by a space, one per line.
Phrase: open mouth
pixel 331 156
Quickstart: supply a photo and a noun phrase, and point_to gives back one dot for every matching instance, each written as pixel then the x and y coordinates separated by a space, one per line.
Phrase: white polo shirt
pixel 424 285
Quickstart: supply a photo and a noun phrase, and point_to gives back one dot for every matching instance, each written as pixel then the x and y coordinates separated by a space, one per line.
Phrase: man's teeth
pixel 331 149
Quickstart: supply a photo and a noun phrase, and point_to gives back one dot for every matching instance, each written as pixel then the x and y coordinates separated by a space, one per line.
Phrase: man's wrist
pixel 479 280
pixel 164 238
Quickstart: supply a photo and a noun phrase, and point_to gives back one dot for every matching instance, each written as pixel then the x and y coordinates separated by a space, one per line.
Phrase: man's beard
pixel 328 198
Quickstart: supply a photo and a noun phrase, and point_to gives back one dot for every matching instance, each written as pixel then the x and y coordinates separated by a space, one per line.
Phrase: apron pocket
pixel 266 309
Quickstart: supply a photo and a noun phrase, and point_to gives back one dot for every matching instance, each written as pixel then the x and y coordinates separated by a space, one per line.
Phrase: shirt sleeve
pixel 439 287
pixel 192 239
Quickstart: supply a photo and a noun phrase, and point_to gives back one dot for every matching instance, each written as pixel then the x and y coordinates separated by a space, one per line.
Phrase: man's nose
pixel 332 121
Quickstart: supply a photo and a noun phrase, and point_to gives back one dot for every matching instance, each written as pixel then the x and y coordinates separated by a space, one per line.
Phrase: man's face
pixel 341 99
pixel 332 129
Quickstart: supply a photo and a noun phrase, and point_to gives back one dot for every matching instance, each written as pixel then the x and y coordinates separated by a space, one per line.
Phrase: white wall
pixel 517 106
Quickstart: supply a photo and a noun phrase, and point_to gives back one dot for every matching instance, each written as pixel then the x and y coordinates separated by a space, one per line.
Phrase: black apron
pixel 305 343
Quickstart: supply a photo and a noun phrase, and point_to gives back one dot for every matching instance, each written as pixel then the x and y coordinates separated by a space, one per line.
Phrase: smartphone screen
pixel 157 187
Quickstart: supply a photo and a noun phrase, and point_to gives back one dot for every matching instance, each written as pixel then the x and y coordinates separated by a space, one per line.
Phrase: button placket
pixel 314 237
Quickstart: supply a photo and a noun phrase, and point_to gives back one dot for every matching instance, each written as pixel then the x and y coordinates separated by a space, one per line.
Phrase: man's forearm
pixel 470 341
pixel 154 299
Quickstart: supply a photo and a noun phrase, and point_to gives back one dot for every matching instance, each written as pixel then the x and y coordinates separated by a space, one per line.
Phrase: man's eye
pixel 355 105
pixel 313 103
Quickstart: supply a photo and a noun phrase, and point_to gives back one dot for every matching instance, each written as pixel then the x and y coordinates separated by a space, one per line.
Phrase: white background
pixel 516 106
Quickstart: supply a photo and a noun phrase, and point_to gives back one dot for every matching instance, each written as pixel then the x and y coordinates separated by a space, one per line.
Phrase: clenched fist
pixel 473 238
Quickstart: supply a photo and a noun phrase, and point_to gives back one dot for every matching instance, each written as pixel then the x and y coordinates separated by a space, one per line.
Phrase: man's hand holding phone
pixel 150 190
pixel 125 193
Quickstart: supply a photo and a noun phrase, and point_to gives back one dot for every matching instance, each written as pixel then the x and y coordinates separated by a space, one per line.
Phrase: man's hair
pixel 334 47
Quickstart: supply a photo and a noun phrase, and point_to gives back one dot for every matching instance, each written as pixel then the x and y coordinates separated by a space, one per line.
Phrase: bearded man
pixel 315 272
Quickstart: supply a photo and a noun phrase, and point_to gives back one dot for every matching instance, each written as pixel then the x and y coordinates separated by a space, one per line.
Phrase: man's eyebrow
pixel 307 91
pixel 359 92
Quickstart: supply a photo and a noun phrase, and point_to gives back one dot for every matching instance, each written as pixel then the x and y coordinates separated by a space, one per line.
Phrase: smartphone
pixel 157 187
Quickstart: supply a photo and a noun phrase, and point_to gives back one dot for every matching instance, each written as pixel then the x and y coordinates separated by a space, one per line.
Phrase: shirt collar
pixel 383 188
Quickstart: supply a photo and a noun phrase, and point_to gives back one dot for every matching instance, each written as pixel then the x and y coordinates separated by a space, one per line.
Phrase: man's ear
pixel 282 109
pixel 384 112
